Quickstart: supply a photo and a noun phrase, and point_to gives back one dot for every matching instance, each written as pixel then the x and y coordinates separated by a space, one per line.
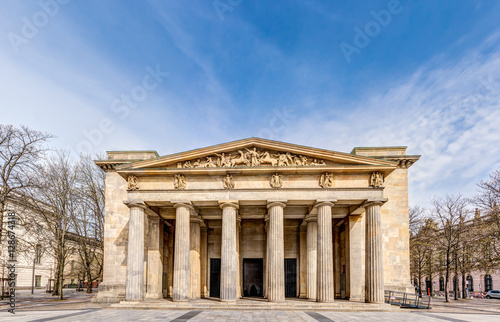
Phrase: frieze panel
pixel 251 158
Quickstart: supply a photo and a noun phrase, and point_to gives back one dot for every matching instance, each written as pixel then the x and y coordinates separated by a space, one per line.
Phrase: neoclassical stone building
pixel 256 217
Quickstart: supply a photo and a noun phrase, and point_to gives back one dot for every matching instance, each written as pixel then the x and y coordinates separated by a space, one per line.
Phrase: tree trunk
pixel 463 286
pixel 89 282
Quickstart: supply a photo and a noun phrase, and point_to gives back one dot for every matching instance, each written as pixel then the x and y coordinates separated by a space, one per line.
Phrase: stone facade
pixel 256 218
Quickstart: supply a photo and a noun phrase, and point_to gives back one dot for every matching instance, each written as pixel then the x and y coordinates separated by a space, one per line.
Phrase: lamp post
pixel 33 275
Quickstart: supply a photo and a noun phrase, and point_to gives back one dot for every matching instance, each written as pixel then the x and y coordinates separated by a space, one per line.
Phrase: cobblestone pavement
pixel 159 315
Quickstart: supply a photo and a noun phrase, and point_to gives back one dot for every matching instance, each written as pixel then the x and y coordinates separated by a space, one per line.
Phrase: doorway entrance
pixel 253 277
pixel 290 277
pixel 214 277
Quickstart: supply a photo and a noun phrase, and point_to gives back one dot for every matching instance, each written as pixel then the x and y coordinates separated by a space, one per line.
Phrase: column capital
pixel 229 203
pixel 135 204
pixel 185 204
pixel 196 219
pixel 374 202
pixel 311 218
pixel 321 203
pixel 279 203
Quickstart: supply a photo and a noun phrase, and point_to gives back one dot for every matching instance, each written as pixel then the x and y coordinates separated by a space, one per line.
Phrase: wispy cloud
pixel 448 114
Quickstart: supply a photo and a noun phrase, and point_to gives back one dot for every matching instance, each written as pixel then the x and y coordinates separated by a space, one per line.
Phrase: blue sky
pixel 424 74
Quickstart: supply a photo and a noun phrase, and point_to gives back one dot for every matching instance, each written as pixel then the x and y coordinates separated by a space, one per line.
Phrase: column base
pixel 374 302
pixel 155 296
pixel 109 293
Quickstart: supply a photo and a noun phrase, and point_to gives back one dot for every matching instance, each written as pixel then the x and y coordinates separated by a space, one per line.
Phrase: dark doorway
pixel 214 277
pixel 290 277
pixel 253 276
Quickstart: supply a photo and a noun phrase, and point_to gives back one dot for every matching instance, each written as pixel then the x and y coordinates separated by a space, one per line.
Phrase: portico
pixel 256 218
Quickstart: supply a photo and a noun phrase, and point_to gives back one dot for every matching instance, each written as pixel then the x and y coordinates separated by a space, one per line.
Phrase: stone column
pixel 355 253
pixel 312 259
pixel 276 246
pixel 325 253
pixel 336 260
pixel 181 252
pixel 170 262
pixel 204 261
pixel 374 271
pixel 134 289
pixel 195 257
pixel 266 261
pixel 229 260
pixel 238 256
pixel 303 261
pixel 155 258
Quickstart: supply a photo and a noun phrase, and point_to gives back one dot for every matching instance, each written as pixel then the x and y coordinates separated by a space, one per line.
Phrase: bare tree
pixel 53 200
pixel 447 213
pixel 20 151
pixel 419 244
pixel 88 221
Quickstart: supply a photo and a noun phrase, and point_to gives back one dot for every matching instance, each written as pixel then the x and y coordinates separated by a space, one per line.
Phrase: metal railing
pixel 407 300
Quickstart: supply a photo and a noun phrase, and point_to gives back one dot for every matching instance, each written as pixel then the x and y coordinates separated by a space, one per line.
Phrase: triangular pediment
pixel 255 152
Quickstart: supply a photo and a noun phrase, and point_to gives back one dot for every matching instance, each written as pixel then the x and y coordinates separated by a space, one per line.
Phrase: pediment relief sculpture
pixel 179 182
pixel 376 179
pixel 326 180
pixel 251 158
pixel 132 183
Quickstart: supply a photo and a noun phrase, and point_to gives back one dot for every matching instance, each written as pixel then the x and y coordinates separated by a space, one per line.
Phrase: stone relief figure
pixel 223 161
pixel 210 163
pixel 133 183
pixel 187 164
pixel 326 180
pixel 376 179
pixel 228 182
pixel 266 158
pixel 179 182
pixel 254 157
pixel 276 181
pixel 242 159
pixel 197 164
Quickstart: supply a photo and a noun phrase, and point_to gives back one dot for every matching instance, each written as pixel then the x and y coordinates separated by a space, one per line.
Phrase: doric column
pixel 204 261
pixel 155 258
pixel 276 269
pixel 312 259
pixel 170 262
pixel 355 254
pixel 238 258
pixel 134 290
pixel 195 257
pixel 229 256
pixel 325 253
pixel 266 261
pixel 181 252
pixel 336 260
pixel 303 260
pixel 374 265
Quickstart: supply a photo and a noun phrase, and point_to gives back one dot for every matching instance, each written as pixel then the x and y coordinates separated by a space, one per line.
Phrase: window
pixel 38 280
pixel 441 284
pixel 38 254
pixel 470 285
pixel 488 283
pixel 72 267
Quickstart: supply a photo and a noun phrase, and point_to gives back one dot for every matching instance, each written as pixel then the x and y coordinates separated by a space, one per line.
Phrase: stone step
pixel 257 305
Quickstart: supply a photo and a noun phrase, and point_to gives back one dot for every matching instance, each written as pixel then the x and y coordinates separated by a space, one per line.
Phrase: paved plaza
pixel 77 307
pixel 161 315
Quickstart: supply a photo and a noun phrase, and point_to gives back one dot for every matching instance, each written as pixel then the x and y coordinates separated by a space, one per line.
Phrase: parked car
pixel 493 294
